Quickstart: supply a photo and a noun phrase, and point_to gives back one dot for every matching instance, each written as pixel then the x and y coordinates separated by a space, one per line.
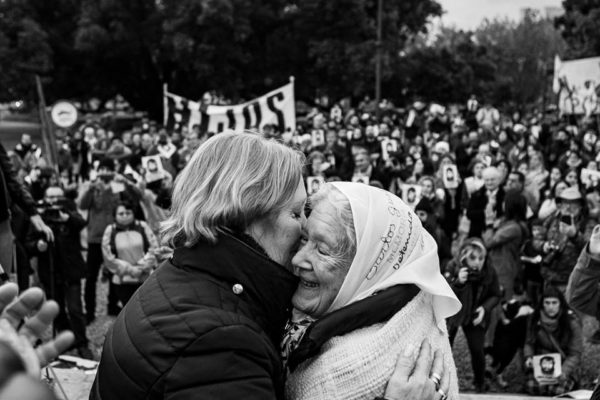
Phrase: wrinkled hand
pixel 480 314
pixel 34 314
pixel 595 241
pixel 411 380
pixel 40 226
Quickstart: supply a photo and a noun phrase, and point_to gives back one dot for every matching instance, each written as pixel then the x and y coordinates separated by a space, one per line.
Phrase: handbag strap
pixel 554 342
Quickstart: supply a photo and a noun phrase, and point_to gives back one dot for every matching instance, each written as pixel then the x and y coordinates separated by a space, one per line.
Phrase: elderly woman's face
pixel 321 273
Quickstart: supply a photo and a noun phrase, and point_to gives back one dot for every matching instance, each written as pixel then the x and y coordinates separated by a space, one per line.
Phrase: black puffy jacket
pixel 190 333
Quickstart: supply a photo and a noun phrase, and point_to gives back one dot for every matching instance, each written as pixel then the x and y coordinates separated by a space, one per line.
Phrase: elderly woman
pixel 370 290
pixel 207 323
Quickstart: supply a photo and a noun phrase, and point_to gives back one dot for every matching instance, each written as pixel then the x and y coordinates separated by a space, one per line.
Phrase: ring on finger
pixel 435 378
pixel 443 394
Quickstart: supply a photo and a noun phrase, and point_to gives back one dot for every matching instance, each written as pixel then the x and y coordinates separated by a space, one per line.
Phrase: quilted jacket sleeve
pixel 229 362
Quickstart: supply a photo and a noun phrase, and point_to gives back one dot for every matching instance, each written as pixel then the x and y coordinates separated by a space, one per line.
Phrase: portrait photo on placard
pixel 313 184
pixel 388 146
pixel 411 194
pixel 318 137
pixel 450 176
pixel 360 179
pixel 547 368
pixel 153 168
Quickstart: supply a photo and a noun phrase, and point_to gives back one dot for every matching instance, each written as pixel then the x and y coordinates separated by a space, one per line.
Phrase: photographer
pixel 60 264
pixel 567 234
pixel 101 198
pixel 476 286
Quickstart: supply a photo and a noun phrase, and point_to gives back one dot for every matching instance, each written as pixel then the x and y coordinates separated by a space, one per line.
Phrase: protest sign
pixel 411 194
pixel 276 108
pixel 153 168
pixel 547 368
pixel 576 82
pixel 450 176
pixel 388 146
pixel 314 183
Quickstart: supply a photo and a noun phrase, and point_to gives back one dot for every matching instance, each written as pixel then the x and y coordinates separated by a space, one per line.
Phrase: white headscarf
pixel 392 248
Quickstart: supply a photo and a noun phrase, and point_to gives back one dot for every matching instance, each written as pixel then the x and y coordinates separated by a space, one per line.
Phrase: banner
pixel 276 107
pixel 577 83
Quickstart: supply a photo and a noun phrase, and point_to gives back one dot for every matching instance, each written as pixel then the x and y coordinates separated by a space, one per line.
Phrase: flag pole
pixel 165 104
pixel 47 129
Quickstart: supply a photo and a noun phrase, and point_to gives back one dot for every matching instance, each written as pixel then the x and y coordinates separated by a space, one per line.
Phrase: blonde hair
pixel 232 180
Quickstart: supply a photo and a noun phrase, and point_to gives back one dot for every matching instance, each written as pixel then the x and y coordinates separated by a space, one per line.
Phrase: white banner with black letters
pixel 276 107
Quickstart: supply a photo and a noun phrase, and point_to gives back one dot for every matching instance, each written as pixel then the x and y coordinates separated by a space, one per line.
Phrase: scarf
pixel 392 248
pixel 551 324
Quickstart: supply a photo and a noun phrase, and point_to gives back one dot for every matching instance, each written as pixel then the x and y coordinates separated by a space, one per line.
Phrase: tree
pixel 580 26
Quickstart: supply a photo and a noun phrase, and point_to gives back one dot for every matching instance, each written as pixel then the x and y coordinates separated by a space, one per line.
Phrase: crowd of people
pixel 511 200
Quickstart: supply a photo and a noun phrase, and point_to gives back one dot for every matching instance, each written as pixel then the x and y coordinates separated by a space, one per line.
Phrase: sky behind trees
pixel 468 14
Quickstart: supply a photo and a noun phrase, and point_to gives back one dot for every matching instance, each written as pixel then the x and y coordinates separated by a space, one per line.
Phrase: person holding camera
pixel 567 234
pixel 60 263
pixel 475 283
pixel 101 199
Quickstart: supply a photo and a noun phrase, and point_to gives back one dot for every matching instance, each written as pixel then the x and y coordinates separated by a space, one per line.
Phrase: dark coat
pixel 11 190
pixel 68 263
pixel 185 334
pixel 476 209
pixel 485 293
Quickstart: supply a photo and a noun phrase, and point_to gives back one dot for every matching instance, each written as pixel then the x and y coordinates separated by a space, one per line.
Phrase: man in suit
pixel 486 204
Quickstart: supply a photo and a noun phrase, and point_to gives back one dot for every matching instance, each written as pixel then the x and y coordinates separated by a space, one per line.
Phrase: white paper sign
pixel 450 176
pixel 313 184
pixel 411 194
pixel 547 368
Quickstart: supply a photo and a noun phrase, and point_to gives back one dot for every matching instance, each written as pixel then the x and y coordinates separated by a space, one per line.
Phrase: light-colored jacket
pixel 358 365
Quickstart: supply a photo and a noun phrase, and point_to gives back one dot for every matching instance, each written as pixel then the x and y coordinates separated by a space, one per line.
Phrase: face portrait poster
pixel 360 179
pixel 388 146
pixel 450 176
pixel 318 137
pixel 411 194
pixel 153 168
pixel 313 184
pixel 547 368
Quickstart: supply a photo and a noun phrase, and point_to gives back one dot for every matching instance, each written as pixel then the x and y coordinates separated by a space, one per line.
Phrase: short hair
pixel 519 175
pixel 345 250
pixel 231 181
pixel 126 204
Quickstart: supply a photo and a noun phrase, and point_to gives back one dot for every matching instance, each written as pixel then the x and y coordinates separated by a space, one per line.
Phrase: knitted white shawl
pixel 358 365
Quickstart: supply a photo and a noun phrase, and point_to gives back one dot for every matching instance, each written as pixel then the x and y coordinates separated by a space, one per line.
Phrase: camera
pixel 474 275
pixel 50 212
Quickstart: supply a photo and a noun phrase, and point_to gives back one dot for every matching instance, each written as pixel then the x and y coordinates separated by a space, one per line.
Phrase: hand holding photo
pixel 411 194
pixel 450 176
pixel 313 184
